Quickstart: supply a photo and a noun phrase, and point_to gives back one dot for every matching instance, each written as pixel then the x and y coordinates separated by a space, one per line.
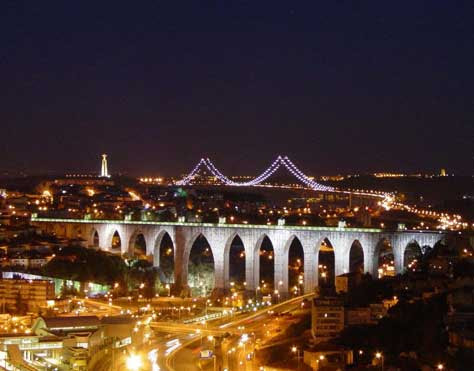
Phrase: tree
pixel 409 327
pixel 86 265
pixel 464 268
pixel 68 290
pixel 201 276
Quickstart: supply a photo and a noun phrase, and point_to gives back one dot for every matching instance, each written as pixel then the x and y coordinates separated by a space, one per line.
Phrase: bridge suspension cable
pixel 279 161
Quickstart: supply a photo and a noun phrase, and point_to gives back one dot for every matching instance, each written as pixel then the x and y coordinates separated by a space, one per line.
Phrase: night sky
pixel 339 86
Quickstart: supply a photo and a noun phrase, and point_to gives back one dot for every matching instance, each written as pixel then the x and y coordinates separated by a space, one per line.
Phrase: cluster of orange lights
pixel 158 180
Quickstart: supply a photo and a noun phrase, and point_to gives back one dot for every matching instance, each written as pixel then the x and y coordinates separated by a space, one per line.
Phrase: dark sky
pixel 339 86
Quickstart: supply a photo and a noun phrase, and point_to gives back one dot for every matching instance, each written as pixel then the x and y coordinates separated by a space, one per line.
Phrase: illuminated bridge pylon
pixel 279 161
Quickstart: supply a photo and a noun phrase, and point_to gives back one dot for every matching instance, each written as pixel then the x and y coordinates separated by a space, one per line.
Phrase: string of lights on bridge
pixel 279 161
pixel 387 199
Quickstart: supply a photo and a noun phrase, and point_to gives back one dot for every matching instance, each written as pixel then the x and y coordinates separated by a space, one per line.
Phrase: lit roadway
pixel 182 352
pixel 98 308
pixel 179 348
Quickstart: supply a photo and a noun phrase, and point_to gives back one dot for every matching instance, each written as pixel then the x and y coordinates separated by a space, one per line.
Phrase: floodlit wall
pixel 220 237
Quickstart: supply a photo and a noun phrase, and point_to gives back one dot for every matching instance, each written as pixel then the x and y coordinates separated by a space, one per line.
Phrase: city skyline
pixel 339 88
pixel 278 166
pixel 237 185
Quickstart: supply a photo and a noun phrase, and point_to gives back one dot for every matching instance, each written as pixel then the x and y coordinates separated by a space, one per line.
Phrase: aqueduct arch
pixel 220 238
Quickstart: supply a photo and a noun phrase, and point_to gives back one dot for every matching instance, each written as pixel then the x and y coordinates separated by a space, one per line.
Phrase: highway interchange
pixel 182 351
pixel 175 346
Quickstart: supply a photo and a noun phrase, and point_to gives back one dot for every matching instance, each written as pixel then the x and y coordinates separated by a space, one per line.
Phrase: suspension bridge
pixel 280 161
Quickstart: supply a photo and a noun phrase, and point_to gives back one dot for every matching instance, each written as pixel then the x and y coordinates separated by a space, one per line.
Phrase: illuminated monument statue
pixel 104 172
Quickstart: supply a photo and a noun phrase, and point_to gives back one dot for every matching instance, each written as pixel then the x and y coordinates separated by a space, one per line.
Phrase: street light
pixel 198 331
pixel 295 350
pixel 243 340
pixel 277 294
pixel 440 366
pixel 134 362
pixel 213 339
pixel 379 355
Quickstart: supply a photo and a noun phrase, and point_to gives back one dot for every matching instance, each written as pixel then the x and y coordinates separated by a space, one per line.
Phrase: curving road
pixel 231 354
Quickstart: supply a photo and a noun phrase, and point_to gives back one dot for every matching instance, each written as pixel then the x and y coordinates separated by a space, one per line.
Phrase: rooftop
pixel 117 320
pixel 58 323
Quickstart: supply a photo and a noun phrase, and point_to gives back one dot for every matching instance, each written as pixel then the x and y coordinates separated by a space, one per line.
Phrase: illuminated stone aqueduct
pixel 99 234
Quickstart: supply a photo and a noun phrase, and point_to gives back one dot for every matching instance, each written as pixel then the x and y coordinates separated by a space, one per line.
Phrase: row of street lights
pixel 378 356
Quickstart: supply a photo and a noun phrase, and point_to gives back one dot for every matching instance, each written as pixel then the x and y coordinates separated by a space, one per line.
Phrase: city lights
pixel 134 362
pixel 125 247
